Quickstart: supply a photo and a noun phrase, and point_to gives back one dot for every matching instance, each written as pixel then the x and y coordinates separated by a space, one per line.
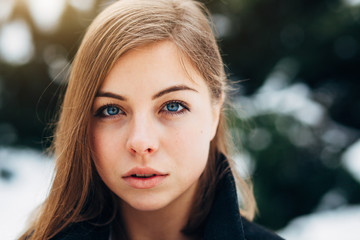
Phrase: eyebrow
pixel 157 95
pixel 173 89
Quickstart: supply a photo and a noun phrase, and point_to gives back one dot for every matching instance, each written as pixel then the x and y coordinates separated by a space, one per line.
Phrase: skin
pixel 133 125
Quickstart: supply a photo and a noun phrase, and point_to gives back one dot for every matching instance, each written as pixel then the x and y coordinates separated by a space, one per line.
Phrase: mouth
pixel 144 178
pixel 143 172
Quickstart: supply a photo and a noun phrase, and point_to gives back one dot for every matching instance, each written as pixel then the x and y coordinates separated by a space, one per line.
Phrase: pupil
pixel 173 107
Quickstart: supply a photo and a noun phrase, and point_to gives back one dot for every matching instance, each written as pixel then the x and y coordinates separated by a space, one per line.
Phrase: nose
pixel 142 138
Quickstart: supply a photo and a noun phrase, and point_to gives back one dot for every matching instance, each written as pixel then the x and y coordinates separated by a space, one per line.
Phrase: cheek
pixel 103 145
pixel 97 139
pixel 191 145
pixel 192 158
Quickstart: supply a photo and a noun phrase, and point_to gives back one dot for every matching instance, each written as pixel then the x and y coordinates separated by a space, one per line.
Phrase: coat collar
pixel 225 221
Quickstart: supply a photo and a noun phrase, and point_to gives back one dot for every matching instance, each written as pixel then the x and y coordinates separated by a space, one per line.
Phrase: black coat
pixel 224 221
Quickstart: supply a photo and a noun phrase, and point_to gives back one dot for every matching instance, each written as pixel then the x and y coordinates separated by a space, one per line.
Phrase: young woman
pixel 141 145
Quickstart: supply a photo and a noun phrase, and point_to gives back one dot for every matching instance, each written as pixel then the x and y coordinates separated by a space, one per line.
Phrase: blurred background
pixel 297 106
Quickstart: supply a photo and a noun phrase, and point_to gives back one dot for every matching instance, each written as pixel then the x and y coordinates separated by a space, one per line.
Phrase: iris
pixel 173 107
pixel 112 110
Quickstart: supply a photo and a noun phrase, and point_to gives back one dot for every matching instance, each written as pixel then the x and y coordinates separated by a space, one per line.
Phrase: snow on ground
pixel 25 185
pixel 342 223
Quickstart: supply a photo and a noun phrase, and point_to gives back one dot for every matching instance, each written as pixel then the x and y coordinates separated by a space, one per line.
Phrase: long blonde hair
pixel 77 193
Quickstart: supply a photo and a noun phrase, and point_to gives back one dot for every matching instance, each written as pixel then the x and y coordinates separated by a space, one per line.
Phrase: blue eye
pixel 111 110
pixel 173 107
pixel 108 111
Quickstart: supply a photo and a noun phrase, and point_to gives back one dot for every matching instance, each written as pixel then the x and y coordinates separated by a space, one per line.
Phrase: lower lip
pixel 145 183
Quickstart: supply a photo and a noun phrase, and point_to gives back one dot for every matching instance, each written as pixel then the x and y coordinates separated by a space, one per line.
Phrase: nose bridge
pixel 142 138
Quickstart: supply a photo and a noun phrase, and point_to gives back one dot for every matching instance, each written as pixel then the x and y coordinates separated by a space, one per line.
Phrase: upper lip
pixel 143 170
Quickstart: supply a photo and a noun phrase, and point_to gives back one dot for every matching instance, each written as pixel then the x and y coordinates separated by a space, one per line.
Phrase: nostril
pixel 148 150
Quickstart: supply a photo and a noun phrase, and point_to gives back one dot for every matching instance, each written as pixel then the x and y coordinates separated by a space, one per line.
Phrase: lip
pixel 144 183
pixel 143 170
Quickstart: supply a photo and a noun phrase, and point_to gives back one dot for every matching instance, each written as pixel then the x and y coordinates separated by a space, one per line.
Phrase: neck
pixel 165 223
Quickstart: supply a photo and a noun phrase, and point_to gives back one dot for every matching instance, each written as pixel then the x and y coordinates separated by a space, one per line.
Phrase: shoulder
pixel 84 230
pixel 253 231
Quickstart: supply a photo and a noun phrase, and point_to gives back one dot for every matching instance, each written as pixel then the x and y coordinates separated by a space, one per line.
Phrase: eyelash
pixel 100 111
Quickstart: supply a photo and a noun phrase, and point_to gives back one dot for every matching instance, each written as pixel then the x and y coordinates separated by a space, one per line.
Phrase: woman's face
pixel 151 127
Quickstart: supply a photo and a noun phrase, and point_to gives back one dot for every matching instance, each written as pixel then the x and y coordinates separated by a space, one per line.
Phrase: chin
pixel 147 204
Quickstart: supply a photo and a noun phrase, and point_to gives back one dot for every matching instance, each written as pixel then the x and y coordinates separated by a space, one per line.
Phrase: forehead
pixel 156 65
